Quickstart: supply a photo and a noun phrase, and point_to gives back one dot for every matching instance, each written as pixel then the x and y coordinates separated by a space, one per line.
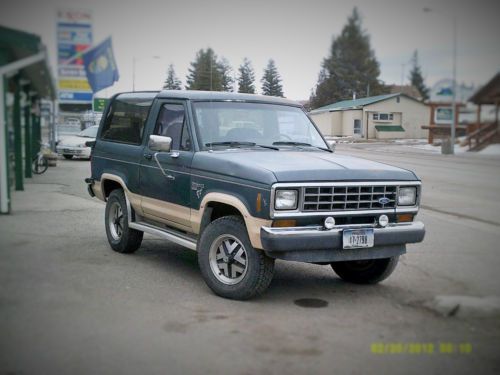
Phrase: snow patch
pixel 465 306
pixel 493 149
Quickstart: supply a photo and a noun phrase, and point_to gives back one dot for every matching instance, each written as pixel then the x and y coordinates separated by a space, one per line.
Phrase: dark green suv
pixel 244 180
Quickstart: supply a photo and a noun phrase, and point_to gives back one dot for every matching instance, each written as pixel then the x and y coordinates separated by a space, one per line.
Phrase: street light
pixel 134 59
pixel 454 80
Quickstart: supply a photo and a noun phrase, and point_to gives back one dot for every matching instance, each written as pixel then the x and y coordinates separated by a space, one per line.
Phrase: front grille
pixel 341 198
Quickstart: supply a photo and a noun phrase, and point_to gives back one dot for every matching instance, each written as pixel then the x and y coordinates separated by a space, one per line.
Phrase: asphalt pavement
pixel 69 304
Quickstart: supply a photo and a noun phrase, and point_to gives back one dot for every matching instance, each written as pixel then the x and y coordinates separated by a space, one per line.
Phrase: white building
pixel 376 117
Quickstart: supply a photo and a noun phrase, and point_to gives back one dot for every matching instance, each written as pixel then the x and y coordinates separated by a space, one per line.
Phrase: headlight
pixel 285 200
pixel 407 196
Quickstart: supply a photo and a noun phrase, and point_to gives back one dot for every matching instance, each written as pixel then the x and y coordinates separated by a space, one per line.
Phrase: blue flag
pixel 100 66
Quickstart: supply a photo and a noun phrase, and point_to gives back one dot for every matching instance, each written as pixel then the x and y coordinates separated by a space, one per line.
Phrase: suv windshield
pixel 233 124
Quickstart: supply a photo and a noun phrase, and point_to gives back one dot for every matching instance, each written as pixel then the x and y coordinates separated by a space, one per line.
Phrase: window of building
pixel 125 119
pixel 172 123
pixel 357 127
pixel 381 116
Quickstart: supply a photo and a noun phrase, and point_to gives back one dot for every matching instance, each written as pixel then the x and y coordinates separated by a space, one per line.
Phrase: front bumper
pixel 75 151
pixel 316 244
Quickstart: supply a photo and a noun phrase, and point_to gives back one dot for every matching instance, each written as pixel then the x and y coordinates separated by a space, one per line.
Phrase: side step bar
pixel 170 235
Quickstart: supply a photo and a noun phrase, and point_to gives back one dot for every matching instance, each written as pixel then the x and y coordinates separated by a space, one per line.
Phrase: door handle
pixel 148 155
pixel 168 176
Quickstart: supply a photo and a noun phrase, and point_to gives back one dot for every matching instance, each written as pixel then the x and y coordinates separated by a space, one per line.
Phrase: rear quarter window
pixel 126 118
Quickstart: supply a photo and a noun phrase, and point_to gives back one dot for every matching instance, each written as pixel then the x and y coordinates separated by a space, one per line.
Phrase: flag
pixel 100 66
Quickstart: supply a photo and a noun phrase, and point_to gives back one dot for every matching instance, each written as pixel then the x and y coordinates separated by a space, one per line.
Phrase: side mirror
pixel 331 145
pixel 160 143
pixel 90 144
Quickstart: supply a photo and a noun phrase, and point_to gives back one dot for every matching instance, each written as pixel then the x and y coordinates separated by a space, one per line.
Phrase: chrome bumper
pixel 316 244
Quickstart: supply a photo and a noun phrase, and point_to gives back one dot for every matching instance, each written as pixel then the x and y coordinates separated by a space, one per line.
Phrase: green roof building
pixel 388 116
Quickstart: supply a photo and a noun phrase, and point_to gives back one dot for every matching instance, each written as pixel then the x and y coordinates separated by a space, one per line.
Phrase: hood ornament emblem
pixel 383 201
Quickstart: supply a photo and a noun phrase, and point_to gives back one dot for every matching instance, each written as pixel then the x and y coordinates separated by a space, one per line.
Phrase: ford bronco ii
pixel 245 180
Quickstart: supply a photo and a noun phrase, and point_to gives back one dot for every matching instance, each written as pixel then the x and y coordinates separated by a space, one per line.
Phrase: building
pixel 441 111
pixel 486 130
pixel 377 117
pixel 25 81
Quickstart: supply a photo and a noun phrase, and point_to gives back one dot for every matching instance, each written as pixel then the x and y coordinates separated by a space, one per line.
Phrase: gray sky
pixel 296 34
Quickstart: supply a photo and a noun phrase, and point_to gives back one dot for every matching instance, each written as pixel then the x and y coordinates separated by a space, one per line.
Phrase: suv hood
pixel 297 166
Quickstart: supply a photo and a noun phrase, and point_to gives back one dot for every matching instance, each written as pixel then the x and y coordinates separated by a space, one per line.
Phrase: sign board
pixel 74 36
pixel 443 115
pixel 100 104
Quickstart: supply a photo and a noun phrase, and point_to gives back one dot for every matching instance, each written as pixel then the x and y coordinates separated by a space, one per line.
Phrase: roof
pixel 359 103
pixel 220 95
pixel 489 93
pixel 16 45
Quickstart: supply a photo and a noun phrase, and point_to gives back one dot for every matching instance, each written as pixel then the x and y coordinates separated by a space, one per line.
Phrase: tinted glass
pixel 126 118
pixel 172 123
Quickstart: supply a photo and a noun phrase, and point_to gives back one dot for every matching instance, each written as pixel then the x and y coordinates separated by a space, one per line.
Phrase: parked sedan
pixel 74 145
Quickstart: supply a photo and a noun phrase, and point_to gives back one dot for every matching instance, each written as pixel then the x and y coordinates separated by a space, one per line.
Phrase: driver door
pixel 165 177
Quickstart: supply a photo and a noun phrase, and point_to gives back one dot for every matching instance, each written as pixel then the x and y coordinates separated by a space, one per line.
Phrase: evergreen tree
pixel 416 78
pixel 172 82
pixel 226 74
pixel 208 73
pixel 350 68
pixel 204 73
pixel 271 80
pixel 246 77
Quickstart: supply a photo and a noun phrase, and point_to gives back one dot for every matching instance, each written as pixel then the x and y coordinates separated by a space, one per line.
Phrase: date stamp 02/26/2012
pixel 421 348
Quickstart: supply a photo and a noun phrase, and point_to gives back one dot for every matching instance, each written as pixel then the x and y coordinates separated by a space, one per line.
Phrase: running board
pixel 167 234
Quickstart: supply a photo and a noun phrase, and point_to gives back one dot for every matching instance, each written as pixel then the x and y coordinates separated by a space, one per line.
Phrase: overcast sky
pixel 296 34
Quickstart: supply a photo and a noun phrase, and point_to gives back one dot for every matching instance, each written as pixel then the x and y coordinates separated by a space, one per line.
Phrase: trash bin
pixel 446 147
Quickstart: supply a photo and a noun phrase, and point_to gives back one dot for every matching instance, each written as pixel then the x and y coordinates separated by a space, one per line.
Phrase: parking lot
pixel 69 304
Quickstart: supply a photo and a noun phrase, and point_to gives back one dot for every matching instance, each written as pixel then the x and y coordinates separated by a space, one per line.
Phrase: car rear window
pixel 126 118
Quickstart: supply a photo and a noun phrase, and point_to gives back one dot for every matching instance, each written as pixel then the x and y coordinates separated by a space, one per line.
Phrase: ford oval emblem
pixel 384 200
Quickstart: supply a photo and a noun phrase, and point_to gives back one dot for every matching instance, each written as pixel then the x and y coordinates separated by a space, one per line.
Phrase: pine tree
pixel 350 68
pixel 204 73
pixel 416 78
pixel 172 82
pixel 271 80
pixel 226 74
pixel 246 77
pixel 208 73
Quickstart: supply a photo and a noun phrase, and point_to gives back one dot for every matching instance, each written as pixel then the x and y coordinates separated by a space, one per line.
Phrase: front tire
pixel 68 157
pixel 369 271
pixel 230 266
pixel 121 238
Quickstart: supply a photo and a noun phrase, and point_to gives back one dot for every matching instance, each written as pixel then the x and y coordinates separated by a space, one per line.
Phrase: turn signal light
pixel 405 218
pixel 284 223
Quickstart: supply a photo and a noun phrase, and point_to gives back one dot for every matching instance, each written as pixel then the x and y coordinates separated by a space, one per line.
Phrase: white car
pixel 74 145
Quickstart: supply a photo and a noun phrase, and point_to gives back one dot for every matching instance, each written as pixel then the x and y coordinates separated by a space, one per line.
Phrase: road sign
pixel 100 104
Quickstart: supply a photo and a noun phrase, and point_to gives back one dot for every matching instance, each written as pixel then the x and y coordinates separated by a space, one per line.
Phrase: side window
pixel 125 120
pixel 172 123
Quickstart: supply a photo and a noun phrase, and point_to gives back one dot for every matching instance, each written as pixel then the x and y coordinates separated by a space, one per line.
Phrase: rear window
pixel 126 118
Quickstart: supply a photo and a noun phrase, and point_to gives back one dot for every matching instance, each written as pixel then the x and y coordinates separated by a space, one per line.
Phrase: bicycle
pixel 40 163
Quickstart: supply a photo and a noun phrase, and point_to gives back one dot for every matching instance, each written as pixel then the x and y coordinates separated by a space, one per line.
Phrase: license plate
pixel 357 238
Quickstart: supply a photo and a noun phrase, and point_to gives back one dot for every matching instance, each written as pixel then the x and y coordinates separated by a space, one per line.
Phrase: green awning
pixel 16 45
pixel 389 128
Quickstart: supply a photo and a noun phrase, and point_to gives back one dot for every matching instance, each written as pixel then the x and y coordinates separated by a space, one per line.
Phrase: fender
pixel 252 223
pixel 134 199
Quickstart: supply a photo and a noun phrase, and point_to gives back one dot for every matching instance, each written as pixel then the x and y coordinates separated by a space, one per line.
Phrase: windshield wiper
pixel 239 144
pixel 290 143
